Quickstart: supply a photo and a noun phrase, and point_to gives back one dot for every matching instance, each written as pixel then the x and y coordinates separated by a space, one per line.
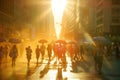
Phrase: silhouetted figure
pixel 49 50
pixel 60 53
pixel 98 57
pixel 59 73
pixel 81 52
pixel 71 51
pixel 55 50
pixel 76 53
pixel 74 65
pixel 28 54
pixel 64 57
pixel 5 51
pixel 42 48
pixel 1 55
pixel 37 51
pixel 13 54
pixel 117 51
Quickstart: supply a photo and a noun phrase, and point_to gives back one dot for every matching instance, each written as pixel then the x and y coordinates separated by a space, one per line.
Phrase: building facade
pixel 104 18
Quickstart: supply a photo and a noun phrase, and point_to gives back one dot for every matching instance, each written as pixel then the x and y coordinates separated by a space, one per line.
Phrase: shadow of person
pixel 39 64
pixel 28 71
pixel 45 70
pixel 59 73
pixel 1 73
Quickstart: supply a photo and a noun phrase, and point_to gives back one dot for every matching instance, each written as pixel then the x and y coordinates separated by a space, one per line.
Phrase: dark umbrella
pixel 61 41
pixel 14 40
pixel 101 40
pixel 2 40
pixel 43 41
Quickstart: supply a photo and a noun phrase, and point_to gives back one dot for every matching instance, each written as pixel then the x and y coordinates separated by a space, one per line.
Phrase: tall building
pixel 6 16
pixel 104 16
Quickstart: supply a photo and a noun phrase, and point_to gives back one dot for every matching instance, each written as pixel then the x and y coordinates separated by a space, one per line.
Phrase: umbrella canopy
pixel 43 41
pixel 14 40
pixel 2 40
pixel 71 42
pixel 101 40
pixel 61 41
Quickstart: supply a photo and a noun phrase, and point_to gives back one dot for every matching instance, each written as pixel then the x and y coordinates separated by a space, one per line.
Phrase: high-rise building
pixel 104 16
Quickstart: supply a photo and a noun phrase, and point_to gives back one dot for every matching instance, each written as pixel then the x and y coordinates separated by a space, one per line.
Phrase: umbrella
pixel 2 40
pixel 101 40
pixel 43 41
pixel 14 40
pixel 71 42
pixel 61 41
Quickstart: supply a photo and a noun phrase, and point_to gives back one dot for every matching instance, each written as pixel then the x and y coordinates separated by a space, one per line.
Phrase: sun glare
pixel 58 7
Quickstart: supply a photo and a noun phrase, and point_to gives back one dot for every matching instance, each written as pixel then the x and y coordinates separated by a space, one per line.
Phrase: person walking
pixel 37 51
pixel 98 57
pixel 81 52
pixel 13 54
pixel 28 54
pixel 117 51
pixel 42 48
pixel 5 51
pixel 1 55
pixel 49 51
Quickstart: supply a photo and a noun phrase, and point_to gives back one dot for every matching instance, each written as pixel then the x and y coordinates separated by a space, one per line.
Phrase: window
pixel 116 11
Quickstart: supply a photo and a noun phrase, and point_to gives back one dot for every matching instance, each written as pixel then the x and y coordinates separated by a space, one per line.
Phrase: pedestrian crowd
pixel 60 51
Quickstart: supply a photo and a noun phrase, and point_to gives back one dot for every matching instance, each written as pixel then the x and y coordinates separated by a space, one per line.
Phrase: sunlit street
pixel 59 39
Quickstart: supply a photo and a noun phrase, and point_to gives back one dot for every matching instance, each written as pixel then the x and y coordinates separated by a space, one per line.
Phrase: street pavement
pixel 50 71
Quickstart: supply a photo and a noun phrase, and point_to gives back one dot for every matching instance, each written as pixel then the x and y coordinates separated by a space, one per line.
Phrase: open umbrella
pixel 42 41
pixel 71 42
pixel 2 40
pixel 14 40
pixel 101 40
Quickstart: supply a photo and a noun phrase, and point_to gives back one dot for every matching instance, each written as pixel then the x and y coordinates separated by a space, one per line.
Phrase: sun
pixel 58 7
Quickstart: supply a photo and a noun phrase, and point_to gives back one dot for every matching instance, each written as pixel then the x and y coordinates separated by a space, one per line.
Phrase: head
pixel 37 46
pixel 28 46
pixel 14 46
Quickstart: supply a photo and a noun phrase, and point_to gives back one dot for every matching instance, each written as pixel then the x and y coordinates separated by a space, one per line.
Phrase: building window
pixel 116 11
pixel 114 29
pixel 99 13
pixel 99 21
